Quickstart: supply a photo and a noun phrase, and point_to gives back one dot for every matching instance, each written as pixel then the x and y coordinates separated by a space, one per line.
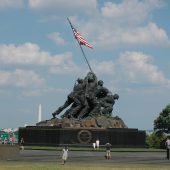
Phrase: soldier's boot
pixel 57 112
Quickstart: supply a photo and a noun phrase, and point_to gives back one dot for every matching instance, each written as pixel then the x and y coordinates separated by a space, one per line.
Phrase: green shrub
pixel 156 140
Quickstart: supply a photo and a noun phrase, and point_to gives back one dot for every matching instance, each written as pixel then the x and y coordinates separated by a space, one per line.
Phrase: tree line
pixel 161 129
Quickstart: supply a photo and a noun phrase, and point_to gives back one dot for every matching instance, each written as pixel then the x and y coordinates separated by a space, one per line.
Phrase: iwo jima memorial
pixel 85 117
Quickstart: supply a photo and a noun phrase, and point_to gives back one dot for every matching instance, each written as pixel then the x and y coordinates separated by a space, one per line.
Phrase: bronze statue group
pixel 89 98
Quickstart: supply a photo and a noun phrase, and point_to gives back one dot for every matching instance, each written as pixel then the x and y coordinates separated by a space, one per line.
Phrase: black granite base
pixel 53 136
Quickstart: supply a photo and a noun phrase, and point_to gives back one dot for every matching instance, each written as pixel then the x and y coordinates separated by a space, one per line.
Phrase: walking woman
pixel 64 155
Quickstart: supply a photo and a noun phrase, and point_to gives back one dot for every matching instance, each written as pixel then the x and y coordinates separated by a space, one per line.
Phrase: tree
pixel 156 140
pixel 162 122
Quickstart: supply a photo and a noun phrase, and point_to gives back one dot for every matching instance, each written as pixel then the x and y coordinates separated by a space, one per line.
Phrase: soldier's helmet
pixel 79 80
pixel 100 83
pixel 90 79
pixel 116 96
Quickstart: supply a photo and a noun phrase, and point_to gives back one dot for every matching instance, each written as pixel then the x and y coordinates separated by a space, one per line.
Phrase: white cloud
pixel 100 68
pixel 136 68
pixel 5 77
pixel 125 24
pixel 149 34
pixel 56 38
pixel 133 11
pixel 103 67
pixel 11 3
pixel 133 36
pixel 63 5
pixel 29 53
pixel 69 68
pixel 21 78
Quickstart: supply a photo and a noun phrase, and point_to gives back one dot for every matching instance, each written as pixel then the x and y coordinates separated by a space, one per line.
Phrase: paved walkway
pixel 147 158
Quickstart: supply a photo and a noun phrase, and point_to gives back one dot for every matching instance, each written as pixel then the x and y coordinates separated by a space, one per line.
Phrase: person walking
pixel 64 155
pixel 94 145
pixel 22 143
pixel 97 143
pixel 5 140
pixel 167 144
pixel 12 139
pixel 108 147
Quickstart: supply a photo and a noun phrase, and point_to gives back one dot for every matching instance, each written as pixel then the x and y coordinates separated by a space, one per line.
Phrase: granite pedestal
pixel 54 136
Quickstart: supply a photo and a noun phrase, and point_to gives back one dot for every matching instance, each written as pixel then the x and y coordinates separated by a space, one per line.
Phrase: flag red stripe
pixel 81 39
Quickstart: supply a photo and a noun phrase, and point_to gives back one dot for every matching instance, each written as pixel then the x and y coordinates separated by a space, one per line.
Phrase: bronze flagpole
pixel 80 46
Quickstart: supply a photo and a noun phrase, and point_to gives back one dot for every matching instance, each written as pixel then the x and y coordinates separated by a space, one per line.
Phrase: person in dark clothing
pixel 167 144
pixel 22 143
pixel 108 147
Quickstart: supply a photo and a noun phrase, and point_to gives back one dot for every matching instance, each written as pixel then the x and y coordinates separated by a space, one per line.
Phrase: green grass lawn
pixel 73 166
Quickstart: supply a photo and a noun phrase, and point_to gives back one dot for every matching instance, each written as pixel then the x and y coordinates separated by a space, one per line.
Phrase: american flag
pixel 80 38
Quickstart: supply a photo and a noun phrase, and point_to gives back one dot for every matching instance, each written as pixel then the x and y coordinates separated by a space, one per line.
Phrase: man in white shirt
pixel 167 143
pixel 94 145
pixel 97 143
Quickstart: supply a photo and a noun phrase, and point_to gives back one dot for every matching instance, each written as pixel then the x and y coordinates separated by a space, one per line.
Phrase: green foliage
pixel 156 140
pixel 162 122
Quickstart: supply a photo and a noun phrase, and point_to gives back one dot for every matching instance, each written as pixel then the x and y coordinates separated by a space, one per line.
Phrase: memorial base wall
pixel 53 136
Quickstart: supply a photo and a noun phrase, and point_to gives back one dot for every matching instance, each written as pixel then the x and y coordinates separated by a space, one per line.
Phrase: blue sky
pixel 40 59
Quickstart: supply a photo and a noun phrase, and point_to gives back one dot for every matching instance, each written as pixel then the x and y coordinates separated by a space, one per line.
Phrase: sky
pixel 40 59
